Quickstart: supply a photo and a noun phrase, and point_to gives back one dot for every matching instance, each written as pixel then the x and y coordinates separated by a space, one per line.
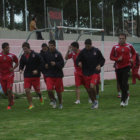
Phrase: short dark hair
pixel 123 34
pixel 34 17
pixel 88 42
pixel 44 45
pixel 75 44
pixel 52 42
pixel 26 44
pixel 4 45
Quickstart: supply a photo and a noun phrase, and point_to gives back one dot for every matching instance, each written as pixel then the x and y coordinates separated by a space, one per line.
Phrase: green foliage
pixel 36 7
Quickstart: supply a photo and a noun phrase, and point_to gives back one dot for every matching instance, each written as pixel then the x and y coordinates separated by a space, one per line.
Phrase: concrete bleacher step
pixel 15 46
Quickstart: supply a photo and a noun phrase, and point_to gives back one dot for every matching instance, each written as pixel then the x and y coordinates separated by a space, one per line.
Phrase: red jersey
pixel 6 63
pixel 137 61
pixel 74 55
pixel 126 51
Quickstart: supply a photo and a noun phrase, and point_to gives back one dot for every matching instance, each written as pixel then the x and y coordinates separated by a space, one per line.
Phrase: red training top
pixel 74 55
pixel 6 63
pixel 126 51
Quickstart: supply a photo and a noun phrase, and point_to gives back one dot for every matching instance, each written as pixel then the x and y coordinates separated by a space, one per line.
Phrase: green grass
pixel 74 122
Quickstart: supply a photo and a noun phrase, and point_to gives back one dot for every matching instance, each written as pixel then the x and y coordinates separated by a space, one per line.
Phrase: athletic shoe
pixel 126 101
pixel 89 101
pixel 51 103
pixel 77 102
pixel 54 104
pixel 94 105
pixel 60 106
pixel 8 107
pixel 41 101
pixel 122 104
pixel 30 107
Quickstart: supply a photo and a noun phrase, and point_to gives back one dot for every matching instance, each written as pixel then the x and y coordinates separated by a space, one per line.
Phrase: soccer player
pixel 123 54
pixel 7 60
pixel 33 63
pixel 73 52
pixel 54 64
pixel 43 51
pixel 90 59
pixel 135 69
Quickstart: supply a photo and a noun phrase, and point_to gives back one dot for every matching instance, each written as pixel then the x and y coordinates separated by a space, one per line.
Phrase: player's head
pixel 122 38
pixel 5 48
pixel 26 47
pixel 52 45
pixel 88 44
pixel 44 47
pixel 75 46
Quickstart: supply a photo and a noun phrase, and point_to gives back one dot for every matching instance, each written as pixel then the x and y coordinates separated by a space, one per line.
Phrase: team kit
pixel 50 62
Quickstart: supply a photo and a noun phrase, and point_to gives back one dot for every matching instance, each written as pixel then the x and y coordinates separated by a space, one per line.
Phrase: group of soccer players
pixel 87 64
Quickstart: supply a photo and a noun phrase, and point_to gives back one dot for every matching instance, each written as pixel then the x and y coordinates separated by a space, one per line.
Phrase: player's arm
pixel 133 52
pixel 68 54
pixel 113 57
pixel 60 62
pixel 101 60
pixel 45 59
pixel 41 64
pixel 79 59
pixel 21 64
pixel 15 60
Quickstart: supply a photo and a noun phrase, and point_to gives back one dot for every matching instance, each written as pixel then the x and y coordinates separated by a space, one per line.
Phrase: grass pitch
pixel 74 122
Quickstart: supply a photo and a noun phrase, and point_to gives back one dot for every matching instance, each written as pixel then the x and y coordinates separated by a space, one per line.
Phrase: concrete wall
pixel 14 34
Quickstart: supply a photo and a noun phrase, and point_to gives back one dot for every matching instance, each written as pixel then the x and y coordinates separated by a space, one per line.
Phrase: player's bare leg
pixel 29 98
pixel 77 96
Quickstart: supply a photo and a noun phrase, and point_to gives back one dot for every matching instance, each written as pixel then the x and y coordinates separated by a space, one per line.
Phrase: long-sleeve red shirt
pixel 126 51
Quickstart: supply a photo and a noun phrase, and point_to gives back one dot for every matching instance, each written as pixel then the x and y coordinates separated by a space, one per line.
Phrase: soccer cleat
pixel 8 107
pixel 60 106
pixel 94 105
pixel 122 104
pixel 77 102
pixel 41 101
pixel 30 107
pixel 89 101
pixel 54 104
pixel 126 101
